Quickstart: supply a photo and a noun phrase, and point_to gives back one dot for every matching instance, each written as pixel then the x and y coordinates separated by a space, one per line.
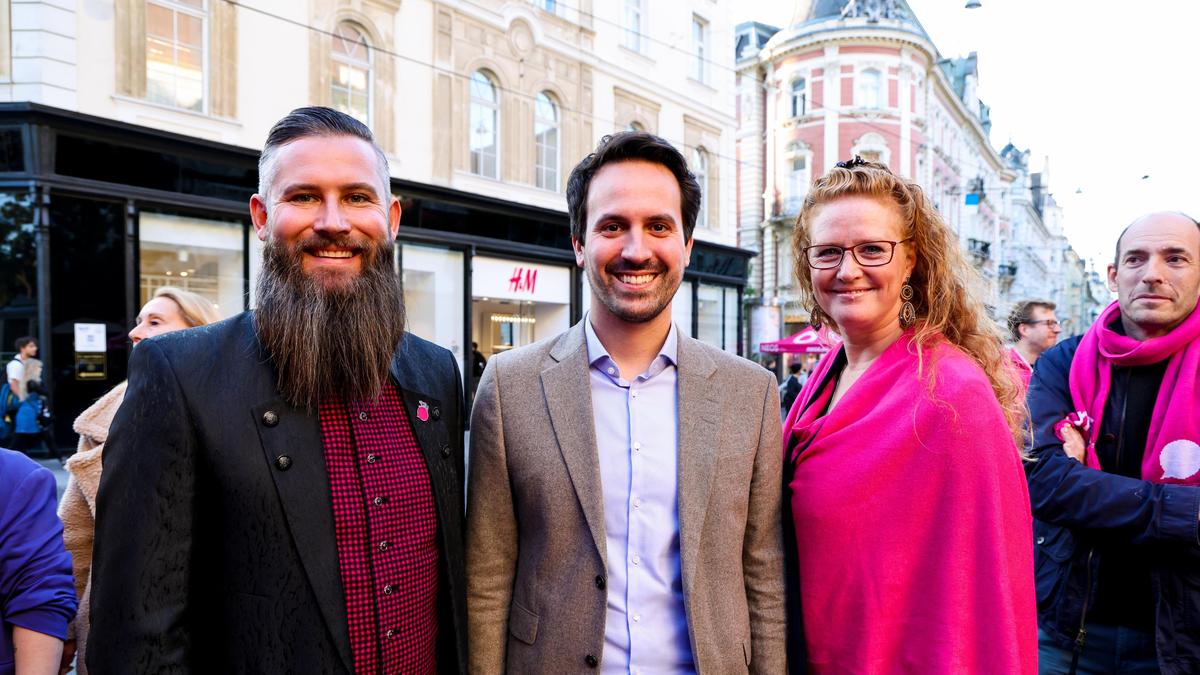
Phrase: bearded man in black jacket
pixel 282 491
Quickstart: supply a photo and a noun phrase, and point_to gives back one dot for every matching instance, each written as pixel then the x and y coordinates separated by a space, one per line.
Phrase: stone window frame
pixel 793 151
pixel 220 59
pixel 870 143
pixel 861 88
pixel 497 110
pixel 382 96
pixel 798 96
pixel 556 104
pixel 369 64
pixel 701 135
pixel 701 163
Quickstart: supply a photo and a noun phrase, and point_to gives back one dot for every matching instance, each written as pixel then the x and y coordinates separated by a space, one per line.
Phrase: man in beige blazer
pixel 624 493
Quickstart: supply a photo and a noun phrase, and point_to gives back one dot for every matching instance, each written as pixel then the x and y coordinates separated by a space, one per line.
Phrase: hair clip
pixel 851 163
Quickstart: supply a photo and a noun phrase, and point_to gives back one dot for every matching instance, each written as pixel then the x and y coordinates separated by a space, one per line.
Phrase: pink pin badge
pixel 423 411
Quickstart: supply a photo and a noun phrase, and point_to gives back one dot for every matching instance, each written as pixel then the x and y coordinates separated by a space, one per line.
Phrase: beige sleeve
pixel 762 551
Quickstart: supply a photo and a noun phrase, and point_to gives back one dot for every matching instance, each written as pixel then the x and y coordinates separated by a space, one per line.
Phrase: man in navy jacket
pixel 1117 557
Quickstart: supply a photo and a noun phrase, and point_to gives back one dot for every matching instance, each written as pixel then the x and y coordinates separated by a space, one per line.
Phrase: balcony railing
pixel 981 250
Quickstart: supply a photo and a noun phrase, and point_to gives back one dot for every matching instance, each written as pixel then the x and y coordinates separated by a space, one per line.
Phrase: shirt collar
pixel 596 350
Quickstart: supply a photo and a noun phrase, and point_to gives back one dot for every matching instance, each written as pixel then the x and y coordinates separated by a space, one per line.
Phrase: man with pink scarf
pixel 1118 510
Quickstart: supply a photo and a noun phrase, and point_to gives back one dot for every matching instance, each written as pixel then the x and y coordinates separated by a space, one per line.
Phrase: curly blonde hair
pixel 947 296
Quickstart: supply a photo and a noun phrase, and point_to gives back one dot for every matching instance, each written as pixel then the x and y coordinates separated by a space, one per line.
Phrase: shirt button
pixel 391 632
pixel 636 559
pixel 611 370
pixel 637 618
pixel 637 446
pixel 633 393
pixel 378 501
pixel 383 545
pixel 370 459
pixel 637 503
pixel 363 415
pixel 387 590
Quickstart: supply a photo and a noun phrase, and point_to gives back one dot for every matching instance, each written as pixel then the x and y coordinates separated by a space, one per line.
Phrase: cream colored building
pixel 129 132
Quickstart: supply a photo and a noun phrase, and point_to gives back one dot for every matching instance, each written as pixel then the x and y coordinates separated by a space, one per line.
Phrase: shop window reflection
pixel 201 256
pixel 18 270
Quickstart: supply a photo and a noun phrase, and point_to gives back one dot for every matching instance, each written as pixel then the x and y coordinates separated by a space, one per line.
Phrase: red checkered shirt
pixel 386 528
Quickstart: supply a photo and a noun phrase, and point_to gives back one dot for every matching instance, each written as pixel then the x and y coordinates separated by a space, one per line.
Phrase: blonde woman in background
pixel 169 310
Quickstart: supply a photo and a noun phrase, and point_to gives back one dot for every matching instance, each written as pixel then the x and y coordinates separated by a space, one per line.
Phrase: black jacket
pixel 215 549
pixel 1076 508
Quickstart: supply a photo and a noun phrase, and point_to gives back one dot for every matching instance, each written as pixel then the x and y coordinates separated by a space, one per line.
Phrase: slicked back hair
pixel 628 146
pixel 314 121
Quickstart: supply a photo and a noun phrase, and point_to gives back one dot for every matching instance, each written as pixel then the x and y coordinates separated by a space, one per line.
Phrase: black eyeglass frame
pixel 1048 323
pixel 842 257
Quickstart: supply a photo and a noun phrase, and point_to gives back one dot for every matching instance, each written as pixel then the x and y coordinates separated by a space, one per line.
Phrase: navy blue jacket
pixel 1075 508
pixel 37 589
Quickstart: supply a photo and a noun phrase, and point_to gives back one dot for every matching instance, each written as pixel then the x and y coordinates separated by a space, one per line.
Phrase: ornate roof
pixel 826 15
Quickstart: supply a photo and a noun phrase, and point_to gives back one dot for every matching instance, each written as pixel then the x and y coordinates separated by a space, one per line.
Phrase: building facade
pixel 132 127
pixel 864 78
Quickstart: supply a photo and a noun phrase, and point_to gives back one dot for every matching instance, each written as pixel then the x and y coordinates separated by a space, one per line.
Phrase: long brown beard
pixel 334 341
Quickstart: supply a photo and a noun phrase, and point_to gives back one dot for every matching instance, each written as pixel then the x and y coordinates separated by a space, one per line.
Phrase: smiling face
pixel 634 251
pixel 160 315
pixel 1157 274
pixel 862 300
pixel 326 200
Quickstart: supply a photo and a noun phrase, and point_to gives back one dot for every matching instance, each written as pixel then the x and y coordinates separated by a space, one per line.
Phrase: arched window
pixel 545 130
pixel 485 125
pixel 870 85
pixel 799 176
pixel 799 97
pixel 872 147
pixel 700 169
pixel 350 81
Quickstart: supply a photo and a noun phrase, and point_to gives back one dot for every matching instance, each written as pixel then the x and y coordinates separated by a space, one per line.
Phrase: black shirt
pixel 1124 593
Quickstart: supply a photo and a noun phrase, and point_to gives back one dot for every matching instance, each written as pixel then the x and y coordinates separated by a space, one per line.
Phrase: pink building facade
pixel 857 78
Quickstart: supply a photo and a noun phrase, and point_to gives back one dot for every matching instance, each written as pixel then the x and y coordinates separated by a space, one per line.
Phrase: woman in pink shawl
pixel 910 538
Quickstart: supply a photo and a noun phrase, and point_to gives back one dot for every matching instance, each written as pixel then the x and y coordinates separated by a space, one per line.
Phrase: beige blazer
pixel 536 554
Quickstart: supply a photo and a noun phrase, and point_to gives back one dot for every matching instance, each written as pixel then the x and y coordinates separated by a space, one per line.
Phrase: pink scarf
pixel 1021 366
pixel 912 518
pixel 1172 454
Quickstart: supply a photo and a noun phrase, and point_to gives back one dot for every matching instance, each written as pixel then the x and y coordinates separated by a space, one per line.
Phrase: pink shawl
pixel 1021 366
pixel 1172 454
pixel 913 525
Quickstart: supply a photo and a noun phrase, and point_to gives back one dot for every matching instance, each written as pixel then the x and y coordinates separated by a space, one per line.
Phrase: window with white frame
pixel 545 130
pixel 176 59
pixel 700 170
pixel 799 165
pixel 871 147
pixel 870 89
pixel 699 49
pixel 799 97
pixel 550 6
pixel 350 81
pixel 633 24
pixel 485 125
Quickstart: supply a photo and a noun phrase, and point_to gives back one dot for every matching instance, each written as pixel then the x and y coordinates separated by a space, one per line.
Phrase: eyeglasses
pixel 867 254
pixel 1048 323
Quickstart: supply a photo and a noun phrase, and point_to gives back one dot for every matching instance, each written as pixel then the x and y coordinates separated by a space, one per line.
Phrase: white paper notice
pixel 89 337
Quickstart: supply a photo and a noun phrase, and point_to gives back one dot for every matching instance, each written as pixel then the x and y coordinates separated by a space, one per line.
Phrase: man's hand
pixel 1073 443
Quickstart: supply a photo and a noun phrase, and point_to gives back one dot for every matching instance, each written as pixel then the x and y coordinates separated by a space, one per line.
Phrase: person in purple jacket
pixel 37 591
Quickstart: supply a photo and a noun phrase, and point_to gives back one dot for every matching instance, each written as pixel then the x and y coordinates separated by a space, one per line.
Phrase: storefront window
pixel 18 271
pixel 433 295
pixel 731 321
pixel 517 302
pixel 202 256
pixel 710 315
pixel 681 308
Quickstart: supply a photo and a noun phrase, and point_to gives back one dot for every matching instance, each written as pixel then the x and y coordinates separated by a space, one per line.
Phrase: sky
pixel 1107 100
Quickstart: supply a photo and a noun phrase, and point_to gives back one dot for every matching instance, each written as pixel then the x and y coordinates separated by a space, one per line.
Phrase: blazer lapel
pixel 291 441
pixel 568 395
pixel 698 411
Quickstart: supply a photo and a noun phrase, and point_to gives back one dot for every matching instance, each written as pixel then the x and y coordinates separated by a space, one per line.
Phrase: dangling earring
pixel 908 313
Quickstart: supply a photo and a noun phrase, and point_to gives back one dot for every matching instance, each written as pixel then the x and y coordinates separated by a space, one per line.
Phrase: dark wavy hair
pixel 628 146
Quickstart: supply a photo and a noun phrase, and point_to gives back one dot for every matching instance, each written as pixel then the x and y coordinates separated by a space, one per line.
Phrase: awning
pixel 807 341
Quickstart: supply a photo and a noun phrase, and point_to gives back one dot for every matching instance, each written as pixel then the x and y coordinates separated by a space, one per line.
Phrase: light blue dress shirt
pixel 637 435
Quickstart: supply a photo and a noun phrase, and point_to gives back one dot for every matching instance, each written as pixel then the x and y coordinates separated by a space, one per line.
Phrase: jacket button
pixel 600 582
pixel 591 661
pixel 446 451
pixel 436 412
pixel 283 462
pixel 270 418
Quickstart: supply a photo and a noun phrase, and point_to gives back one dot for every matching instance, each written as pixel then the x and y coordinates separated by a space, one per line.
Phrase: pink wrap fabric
pixel 1172 453
pixel 913 525
pixel 1021 366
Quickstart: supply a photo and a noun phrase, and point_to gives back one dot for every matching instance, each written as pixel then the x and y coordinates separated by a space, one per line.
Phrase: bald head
pixel 1155 219
pixel 1156 274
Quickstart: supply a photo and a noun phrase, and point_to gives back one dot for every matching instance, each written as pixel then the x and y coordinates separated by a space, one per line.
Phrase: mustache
pixel 318 241
pixel 649 267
